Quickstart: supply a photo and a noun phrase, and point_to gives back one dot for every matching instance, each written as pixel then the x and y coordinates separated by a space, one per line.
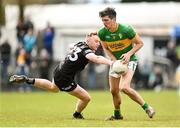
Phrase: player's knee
pixel 87 99
pixel 114 91
pixel 54 89
pixel 125 90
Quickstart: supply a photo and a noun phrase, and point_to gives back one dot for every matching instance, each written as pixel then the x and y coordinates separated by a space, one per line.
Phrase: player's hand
pixel 125 58
pixel 112 62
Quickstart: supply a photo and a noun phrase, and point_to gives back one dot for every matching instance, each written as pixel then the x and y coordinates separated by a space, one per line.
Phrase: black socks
pixel 30 80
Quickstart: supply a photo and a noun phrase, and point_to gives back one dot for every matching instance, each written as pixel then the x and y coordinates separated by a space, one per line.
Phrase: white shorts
pixel 131 65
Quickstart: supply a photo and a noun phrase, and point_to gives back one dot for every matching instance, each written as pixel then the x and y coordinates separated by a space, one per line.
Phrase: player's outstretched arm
pixel 98 59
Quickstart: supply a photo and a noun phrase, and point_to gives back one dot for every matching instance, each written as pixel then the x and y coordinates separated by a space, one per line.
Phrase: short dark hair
pixel 108 12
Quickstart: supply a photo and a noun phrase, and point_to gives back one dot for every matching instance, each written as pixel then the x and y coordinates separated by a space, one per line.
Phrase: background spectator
pixel 29 43
pixel 48 37
pixel 22 69
pixel 5 52
pixel 44 64
pixel 20 30
pixel 172 55
pixel 28 24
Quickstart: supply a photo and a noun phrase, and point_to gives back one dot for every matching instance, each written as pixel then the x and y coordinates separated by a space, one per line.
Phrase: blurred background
pixel 35 35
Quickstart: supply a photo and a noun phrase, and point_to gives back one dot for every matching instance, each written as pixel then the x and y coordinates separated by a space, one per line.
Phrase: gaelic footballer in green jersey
pixel 120 41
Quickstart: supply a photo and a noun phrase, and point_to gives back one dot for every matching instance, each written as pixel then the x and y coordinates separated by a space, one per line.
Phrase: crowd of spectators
pixel 34 51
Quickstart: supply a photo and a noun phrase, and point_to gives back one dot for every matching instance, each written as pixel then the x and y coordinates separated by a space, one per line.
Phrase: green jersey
pixel 120 41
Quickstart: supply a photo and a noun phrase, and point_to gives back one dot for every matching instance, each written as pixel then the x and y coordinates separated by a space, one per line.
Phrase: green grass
pixel 55 109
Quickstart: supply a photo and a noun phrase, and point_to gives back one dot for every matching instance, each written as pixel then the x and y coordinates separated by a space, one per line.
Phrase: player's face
pixel 94 42
pixel 108 22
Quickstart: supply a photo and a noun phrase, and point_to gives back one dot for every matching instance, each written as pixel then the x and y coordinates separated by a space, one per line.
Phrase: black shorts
pixel 66 86
pixel 64 82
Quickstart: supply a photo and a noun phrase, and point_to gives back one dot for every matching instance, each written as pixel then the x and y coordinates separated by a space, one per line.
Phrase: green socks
pixel 145 106
pixel 117 113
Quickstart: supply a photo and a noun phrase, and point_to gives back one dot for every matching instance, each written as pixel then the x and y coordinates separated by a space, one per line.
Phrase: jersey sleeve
pixel 86 51
pixel 130 32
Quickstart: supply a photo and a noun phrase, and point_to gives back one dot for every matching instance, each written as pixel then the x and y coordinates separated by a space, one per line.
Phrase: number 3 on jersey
pixel 74 55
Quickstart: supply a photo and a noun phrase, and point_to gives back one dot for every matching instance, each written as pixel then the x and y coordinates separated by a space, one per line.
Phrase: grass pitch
pixel 44 109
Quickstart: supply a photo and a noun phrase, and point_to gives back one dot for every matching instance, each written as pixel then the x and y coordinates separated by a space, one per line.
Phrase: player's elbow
pixel 141 44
